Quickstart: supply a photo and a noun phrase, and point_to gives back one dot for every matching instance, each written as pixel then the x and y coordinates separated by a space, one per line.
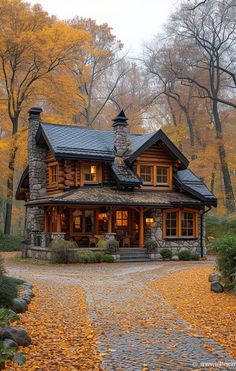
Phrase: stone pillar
pixel 121 143
pixel 37 172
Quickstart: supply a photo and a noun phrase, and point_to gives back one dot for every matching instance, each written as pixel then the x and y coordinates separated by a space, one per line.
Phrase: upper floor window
pixel 146 173
pixel 156 175
pixel 90 173
pixel 179 223
pixel 163 175
pixel 53 174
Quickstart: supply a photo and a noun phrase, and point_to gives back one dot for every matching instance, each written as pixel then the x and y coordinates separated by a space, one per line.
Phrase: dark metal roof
pixel 186 180
pixel 77 142
pixel 112 196
pixel 125 176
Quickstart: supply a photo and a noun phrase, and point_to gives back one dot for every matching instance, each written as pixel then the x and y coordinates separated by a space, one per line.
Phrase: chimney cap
pixel 120 119
pixel 35 111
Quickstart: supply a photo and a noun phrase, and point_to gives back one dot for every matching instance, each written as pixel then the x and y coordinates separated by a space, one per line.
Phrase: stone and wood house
pixel 83 184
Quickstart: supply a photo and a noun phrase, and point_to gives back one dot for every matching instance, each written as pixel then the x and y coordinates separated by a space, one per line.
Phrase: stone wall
pixel 194 245
pixel 37 173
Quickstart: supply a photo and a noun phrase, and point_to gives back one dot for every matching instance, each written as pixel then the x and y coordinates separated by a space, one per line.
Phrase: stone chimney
pixel 37 172
pixel 121 142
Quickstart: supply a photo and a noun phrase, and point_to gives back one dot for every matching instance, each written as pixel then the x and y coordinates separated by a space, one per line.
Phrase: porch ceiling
pixel 112 196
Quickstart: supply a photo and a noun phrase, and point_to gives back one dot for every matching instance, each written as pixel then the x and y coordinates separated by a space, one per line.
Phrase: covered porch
pixel 88 224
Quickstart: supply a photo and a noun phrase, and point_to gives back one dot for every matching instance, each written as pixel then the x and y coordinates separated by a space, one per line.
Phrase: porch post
pixel 46 217
pixel 110 221
pixel 58 213
pixel 141 228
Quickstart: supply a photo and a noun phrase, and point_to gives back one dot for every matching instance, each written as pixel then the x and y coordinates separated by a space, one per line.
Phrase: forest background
pixel 183 81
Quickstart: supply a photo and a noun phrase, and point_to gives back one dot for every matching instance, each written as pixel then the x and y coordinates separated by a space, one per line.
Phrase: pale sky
pixel 133 21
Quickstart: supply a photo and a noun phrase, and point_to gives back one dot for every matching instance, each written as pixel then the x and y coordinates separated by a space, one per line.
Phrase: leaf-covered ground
pixel 189 293
pixel 62 334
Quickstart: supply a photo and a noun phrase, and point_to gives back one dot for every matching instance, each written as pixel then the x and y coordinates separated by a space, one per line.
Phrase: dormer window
pixel 159 176
pixel 146 173
pixel 90 173
pixel 163 176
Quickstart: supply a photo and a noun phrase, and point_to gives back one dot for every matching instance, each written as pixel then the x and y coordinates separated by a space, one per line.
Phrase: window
pixel 122 218
pixel 187 224
pixel 180 223
pixel 171 224
pixel 83 221
pixel 53 174
pixel 156 175
pixel 146 173
pixel 90 173
pixel 162 175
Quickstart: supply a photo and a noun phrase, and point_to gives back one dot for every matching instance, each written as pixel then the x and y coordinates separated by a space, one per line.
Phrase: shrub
pixel 99 256
pixel 8 291
pixel 195 256
pixel 225 247
pixel 10 243
pixel 60 251
pixel 112 246
pixel 185 255
pixel 150 245
pixel 2 269
pixel 166 254
pixel 85 256
pixel 108 259
pixel 102 244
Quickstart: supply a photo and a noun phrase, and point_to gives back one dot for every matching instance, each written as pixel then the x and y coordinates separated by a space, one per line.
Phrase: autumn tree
pixel 32 46
pixel 204 45
pixel 99 57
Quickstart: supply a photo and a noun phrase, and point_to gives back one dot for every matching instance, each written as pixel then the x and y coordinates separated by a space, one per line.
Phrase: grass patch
pixel 10 243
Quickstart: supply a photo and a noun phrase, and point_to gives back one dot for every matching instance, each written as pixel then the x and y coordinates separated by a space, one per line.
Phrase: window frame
pixel 179 234
pixel 122 219
pixel 83 231
pixel 50 170
pixel 154 167
pixel 82 173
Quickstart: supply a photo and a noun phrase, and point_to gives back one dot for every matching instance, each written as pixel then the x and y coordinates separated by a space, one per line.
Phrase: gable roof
pixel 187 181
pixel 125 176
pixel 147 140
pixel 77 142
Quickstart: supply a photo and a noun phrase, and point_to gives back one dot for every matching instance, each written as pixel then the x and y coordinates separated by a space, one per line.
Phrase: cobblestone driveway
pixel 138 330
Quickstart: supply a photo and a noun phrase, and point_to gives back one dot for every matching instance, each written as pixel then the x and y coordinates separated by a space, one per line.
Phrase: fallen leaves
pixel 189 293
pixel 62 333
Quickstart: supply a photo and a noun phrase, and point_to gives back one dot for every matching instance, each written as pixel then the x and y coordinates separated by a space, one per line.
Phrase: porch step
pixel 134 260
pixel 133 254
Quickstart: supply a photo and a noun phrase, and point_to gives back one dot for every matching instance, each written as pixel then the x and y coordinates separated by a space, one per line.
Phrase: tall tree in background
pixel 32 45
pixel 204 41
pixel 100 57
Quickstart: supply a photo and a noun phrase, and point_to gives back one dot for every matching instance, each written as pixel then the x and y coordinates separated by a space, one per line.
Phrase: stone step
pixel 133 259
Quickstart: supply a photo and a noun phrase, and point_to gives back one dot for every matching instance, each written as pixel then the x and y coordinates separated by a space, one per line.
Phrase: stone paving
pixel 138 329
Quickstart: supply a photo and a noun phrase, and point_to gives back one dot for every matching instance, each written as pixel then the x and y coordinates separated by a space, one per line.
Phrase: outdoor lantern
pixel 149 221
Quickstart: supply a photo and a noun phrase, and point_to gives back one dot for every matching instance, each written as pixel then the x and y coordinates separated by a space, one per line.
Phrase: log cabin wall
pixel 155 153
pixel 69 173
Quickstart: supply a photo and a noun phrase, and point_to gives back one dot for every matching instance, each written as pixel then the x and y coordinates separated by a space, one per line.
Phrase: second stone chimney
pixel 121 142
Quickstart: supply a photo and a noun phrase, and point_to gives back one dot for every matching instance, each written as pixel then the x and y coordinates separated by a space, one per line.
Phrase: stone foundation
pixel 176 245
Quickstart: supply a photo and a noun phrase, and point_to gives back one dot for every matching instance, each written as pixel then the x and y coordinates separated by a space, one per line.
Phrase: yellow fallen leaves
pixel 214 314
pixel 62 334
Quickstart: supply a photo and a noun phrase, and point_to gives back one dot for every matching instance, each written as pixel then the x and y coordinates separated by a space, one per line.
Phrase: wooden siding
pixel 155 153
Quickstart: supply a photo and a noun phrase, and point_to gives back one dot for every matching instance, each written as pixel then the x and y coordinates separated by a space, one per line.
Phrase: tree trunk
pixel 213 177
pixel 11 169
pixel 228 189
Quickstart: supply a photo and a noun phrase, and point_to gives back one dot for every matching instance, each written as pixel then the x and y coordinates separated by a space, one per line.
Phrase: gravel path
pixel 138 329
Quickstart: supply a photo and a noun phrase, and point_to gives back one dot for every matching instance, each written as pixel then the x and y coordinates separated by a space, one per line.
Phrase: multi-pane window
pixel 162 175
pixel 171 224
pixel 122 218
pixel 146 173
pixel 83 221
pixel 90 173
pixel 53 174
pixel 187 224
pixel 180 223
pixel 156 175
